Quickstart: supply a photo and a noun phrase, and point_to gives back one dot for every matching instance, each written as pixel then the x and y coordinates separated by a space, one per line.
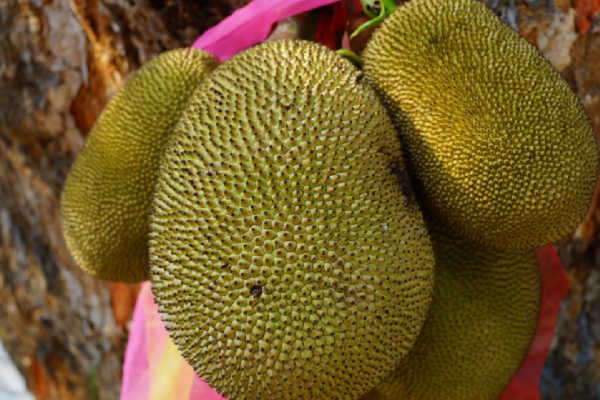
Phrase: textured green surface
pixel 480 325
pixel 285 258
pixel 500 146
pixel 106 198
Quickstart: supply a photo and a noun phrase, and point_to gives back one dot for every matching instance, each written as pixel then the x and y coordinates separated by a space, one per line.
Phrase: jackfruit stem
pixel 350 55
pixel 385 8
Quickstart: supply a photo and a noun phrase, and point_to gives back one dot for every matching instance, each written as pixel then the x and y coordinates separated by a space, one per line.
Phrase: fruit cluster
pixel 317 231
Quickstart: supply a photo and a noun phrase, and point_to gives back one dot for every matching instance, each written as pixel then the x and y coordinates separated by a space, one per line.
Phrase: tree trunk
pixel 61 60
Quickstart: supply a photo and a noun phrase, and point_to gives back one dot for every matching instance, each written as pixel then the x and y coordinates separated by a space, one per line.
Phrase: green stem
pixel 386 8
pixel 352 56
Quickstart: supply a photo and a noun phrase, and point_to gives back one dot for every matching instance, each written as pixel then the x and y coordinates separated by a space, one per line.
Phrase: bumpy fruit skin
pixel 501 147
pixel 106 199
pixel 284 257
pixel 481 322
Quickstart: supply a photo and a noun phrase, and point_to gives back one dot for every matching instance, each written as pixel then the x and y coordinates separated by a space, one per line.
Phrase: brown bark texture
pixel 61 60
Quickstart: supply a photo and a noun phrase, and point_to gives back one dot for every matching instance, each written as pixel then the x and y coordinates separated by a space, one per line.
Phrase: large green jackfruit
pixel 284 258
pixel 501 148
pixel 106 199
pixel 481 322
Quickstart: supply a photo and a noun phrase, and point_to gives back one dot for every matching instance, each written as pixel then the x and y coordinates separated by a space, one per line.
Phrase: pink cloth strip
pixel 135 369
pixel 154 369
pixel 250 25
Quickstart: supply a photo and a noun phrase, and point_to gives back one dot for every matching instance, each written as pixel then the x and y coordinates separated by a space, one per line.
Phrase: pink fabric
pixel 135 368
pixel 153 367
pixel 250 25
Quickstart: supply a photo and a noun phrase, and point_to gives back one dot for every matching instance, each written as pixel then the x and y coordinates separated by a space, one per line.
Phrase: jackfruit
pixel 481 322
pixel 106 199
pixel 501 148
pixel 284 258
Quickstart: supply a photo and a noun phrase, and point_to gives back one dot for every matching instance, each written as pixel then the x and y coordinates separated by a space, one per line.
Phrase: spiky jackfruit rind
pixel 106 199
pixel 480 325
pixel 283 257
pixel 502 150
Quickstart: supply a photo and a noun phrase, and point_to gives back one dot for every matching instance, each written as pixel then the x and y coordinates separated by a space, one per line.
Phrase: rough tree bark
pixel 61 60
